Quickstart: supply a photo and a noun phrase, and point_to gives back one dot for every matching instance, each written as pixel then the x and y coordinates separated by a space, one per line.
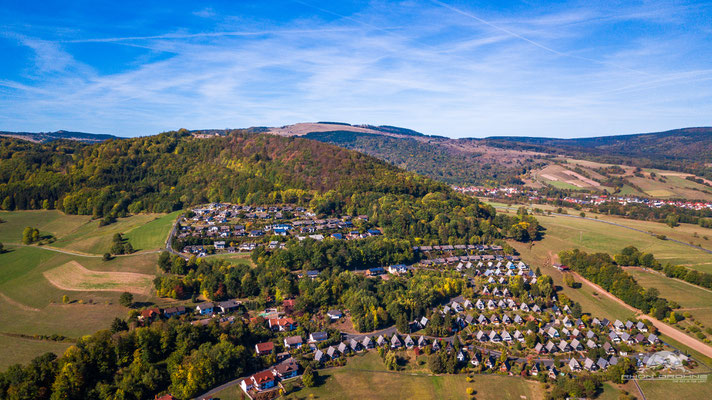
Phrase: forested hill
pixel 170 170
pixel 43 137
pixel 674 147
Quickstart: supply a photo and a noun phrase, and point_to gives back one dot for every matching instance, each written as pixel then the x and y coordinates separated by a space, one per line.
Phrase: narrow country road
pixel 664 328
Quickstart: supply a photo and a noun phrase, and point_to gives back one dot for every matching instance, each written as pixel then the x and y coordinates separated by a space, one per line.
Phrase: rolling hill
pixel 44 137
pixel 671 164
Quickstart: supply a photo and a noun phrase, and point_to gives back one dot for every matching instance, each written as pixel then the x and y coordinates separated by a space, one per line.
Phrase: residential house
pixel 334 314
pixel 282 324
pixel 206 308
pixel 293 342
pixel 286 369
pixel 318 337
pixel 228 306
pixel 264 349
pixel 174 311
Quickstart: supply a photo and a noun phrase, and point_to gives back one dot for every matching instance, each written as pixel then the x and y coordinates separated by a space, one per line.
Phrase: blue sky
pixel 450 67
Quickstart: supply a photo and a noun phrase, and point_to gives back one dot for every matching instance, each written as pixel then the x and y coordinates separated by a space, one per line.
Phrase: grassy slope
pixel 152 235
pixel 90 238
pixel 364 377
pixel 82 234
pixel 47 221
pixel 31 305
pixel 21 351
pixel 592 236
pixel 694 299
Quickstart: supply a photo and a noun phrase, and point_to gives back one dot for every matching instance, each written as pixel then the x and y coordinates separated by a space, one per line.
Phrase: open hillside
pixel 672 164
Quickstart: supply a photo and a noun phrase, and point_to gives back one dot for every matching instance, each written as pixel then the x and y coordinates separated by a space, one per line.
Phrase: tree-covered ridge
pixel 173 170
pixel 169 171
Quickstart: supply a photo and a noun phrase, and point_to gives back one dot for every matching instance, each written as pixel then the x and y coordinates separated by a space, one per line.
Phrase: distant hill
pixel 694 144
pixel 44 137
pixel 508 160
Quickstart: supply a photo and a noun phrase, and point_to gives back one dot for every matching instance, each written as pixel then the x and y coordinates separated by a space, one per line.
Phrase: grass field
pixel 82 234
pixel 21 351
pixel 675 185
pixel 47 221
pixel 73 276
pixel 93 239
pixel 696 300
pixel 364 377
pixel 564 233
pixel 30 304
pixel 152 235
pixel 663 390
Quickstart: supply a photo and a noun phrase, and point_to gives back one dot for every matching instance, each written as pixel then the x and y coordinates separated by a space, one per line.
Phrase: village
pixel 491 331
pixel 227 228
pixel 581 199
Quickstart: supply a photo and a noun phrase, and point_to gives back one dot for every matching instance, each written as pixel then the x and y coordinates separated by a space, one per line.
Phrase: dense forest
pixel 137 364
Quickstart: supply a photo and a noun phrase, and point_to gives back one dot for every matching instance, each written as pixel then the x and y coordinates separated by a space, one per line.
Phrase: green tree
pixel 391 361
pixel 126 299
pixel 119 325
pixel 435 363
pixel 309 377
pixel 7 203
pixel 27 235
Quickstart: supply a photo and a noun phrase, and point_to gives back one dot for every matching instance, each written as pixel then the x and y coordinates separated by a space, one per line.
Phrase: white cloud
pixel 458 76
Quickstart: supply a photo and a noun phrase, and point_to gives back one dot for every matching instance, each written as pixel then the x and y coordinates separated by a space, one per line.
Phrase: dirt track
pixel 664 328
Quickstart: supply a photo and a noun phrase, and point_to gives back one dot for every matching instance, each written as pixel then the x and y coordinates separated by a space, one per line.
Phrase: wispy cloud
pixel 431 66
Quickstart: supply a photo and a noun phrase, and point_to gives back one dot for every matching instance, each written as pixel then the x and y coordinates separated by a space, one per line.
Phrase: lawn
pixel 676 390
pixel 364 377
pixel 696 300
pixel 21 351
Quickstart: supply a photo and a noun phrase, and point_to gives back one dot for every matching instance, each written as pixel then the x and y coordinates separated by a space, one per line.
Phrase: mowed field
pixel 79 233
pixel 73 276
pixel 34 279
pixel 365 377
pixel 568 232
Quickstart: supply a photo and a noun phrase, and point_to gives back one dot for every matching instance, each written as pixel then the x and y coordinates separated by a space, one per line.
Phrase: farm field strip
pixel 73 276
